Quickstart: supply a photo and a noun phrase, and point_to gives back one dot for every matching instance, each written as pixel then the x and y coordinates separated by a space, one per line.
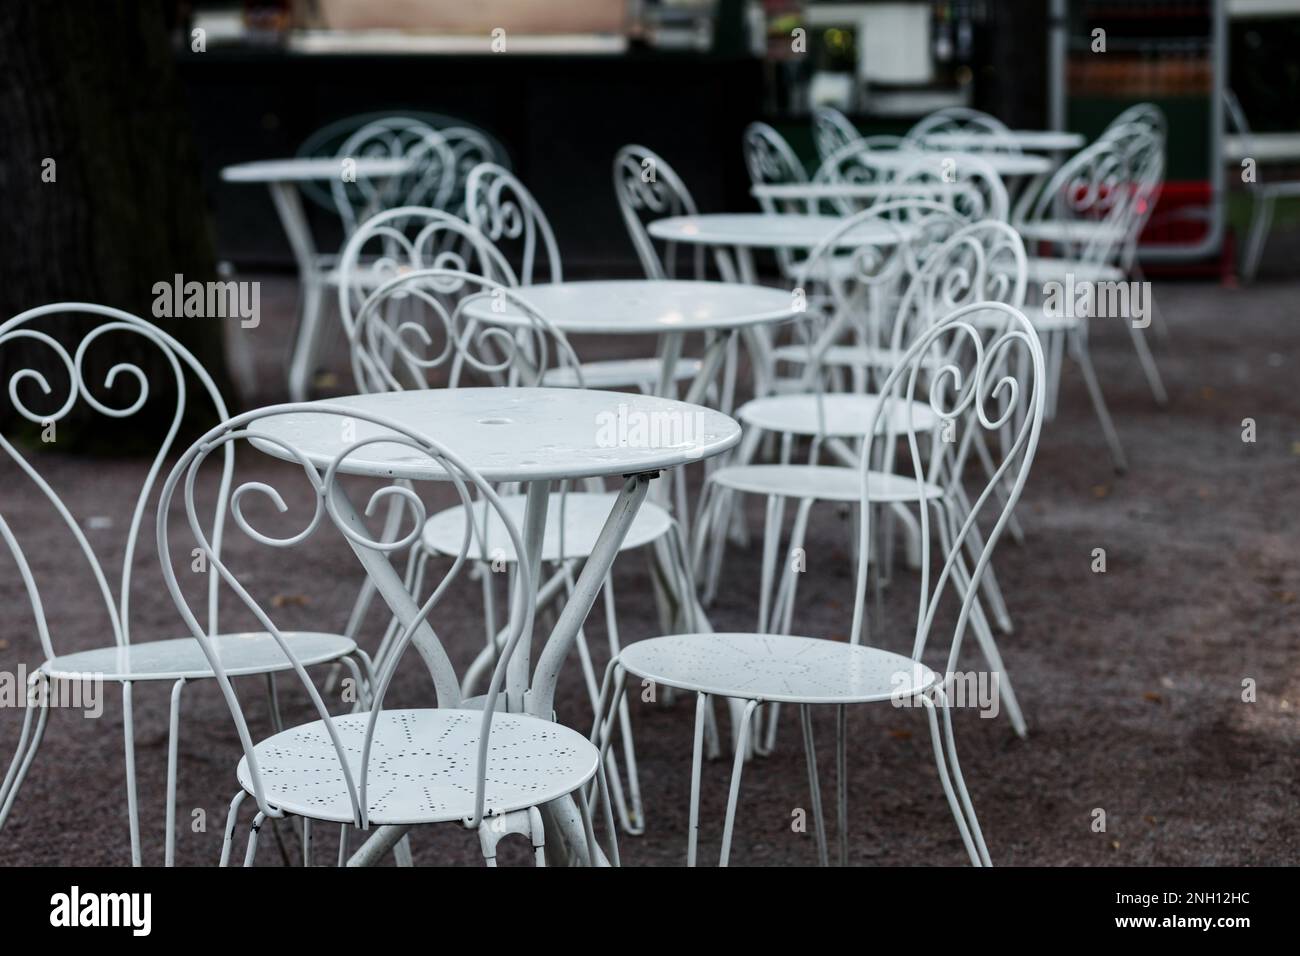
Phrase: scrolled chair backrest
pixel 966 182
pixel 972 375
pixel 832 131
pixel 978 262
pixel 466 142
pixel 648 188
pixel 359 432
pixel 1094 186
pixel 992 134
pixel 498 205
pixel 469 148
pixel 1144 114
pixel 853 164
pixel 430 180
pixel 839 278
pixel 457 321
pixel 125 391
pixel 406 239
pixel 1143 146
pixel 770 160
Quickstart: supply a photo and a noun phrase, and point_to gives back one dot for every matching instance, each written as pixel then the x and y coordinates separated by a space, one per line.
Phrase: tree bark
pixel 92 87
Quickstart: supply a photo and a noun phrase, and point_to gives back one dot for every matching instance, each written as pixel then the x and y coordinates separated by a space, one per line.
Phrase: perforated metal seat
pixel 839 414
pixel 422 766
pixel 1041 269
pixel 853 356
pixel 242 654
pixel 584 513
pixel 777 667
pixel 822 482
pixel 619 373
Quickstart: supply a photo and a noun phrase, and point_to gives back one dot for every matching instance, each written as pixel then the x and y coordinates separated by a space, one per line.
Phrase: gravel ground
pixel 1131 680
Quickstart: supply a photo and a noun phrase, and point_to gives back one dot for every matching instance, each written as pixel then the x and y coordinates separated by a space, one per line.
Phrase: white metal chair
pixel 498 205
pixel 981 262
pixel 469 145
pixel 430 181
pixel 437 338
pixel 809 671
pixel 851 165
pixel 832 131
pixel 1083 210
pixel 1264 194
pixel 477 766
pixel 174 661
pixel 992 132
pixel 770 160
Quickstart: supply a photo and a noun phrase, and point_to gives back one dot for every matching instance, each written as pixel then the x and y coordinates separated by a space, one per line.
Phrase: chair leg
pixel 635 825
pixel 306 842
pixel 173 744
pixel 771 543
pixel 946 782
pixel 814 785
pixel 273 700
pixel 402 852
pixel 25 753
pixel 593 694
pixel 493 829
pixel 232 815
pixel 979 622
pixel 1148 362
pixel 303 359
pixel 737 767
pixel 132 805
pixel 537 834
pixel 842 781
pixel 251 854
pixel 1079 349
pixel 989 586
pixel 1260 221
pixel 343 845
pixel 584 808
pixel 697 753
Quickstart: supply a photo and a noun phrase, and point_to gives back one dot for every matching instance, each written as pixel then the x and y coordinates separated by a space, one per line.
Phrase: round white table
pixel 1006 165
pixel 531 435
pixel 1032 140
pixel 745 232
pixel 318 168
pixel 764 230
pixel 827 190
pixel 283 176
pixel 668 308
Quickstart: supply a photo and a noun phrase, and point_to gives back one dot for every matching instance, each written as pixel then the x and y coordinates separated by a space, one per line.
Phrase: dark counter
pixel 561 118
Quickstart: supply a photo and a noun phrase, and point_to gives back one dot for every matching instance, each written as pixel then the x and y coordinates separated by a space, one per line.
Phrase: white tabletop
pixel 845 190
pixel 1004 164
pixel 1036 140
pixel 511 434
pixel 643 306
pixel 1072 230
pixel 301 170
pixel 762 230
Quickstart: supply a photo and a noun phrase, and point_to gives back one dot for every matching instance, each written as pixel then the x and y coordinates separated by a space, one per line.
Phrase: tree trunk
pixel 92 87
